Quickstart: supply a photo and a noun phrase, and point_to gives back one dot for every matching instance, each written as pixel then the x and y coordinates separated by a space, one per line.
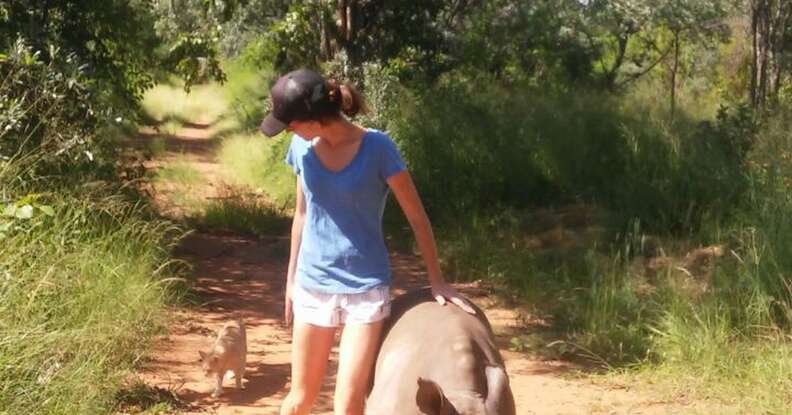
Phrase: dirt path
pixel 244 276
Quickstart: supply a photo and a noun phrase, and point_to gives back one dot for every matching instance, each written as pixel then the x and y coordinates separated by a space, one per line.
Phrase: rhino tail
pixel 500 400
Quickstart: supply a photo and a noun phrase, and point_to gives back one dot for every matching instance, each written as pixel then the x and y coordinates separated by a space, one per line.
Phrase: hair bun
pixel 333 91
pixel 347 99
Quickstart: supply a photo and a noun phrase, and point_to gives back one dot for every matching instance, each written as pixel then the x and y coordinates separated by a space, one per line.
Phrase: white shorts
pixel 334 310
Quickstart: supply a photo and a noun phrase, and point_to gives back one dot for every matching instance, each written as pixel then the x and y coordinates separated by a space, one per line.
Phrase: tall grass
pixel 245 213
pixel 202 104
pixel 248 158
pixel 247 90
pixel 169 107
pixel 258 163
pixel 81 291
pixel 476 145
pixel 722 332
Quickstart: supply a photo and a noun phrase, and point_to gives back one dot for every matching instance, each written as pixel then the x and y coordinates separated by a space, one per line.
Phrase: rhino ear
pixel 430 397
pixel 499 396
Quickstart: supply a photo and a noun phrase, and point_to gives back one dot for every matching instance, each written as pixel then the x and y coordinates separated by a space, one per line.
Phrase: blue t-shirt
pixel 343 249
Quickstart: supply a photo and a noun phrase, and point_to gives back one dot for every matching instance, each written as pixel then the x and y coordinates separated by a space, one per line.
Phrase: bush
pixel 48 112
pixel 473 146
pixel 84 266
pixel 78 314
pixel 247 90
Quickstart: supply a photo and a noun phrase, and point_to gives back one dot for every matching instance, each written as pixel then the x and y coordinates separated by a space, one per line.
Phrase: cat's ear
pixel 203 355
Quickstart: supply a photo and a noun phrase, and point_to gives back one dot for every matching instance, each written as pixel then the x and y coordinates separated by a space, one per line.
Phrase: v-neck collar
pixel 358 155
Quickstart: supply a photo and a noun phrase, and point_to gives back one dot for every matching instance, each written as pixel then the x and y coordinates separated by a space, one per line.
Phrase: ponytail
pixel 347 98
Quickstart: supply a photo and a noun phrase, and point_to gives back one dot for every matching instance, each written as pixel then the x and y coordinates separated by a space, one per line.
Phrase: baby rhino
pixel 228 352
pixel 438 360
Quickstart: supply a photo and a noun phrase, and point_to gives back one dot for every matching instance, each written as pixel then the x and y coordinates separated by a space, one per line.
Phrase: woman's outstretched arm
pixel 404 189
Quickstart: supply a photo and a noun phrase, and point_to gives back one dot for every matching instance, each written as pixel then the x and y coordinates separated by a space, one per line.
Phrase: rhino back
pixel 425 339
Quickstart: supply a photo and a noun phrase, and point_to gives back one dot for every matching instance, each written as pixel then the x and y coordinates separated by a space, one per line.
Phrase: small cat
pixel 229 352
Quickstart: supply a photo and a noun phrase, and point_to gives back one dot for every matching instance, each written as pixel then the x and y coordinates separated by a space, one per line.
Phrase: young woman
pixel 339 274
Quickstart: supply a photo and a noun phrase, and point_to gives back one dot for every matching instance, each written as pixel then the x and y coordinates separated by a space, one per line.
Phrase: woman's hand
pixel 287 306
pixel 443 292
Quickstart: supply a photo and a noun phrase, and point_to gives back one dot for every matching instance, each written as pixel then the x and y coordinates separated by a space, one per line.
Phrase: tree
pixel 688 21
pixel 113 38
pixel 770 35
pixel 416 32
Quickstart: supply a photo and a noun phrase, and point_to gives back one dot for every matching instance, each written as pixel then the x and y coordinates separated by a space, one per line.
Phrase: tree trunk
pixel 674 70
pixel 326 51
pixel 346 29
pixel 758 68
pixel 769 21
pixel 612 73
pixel 780 21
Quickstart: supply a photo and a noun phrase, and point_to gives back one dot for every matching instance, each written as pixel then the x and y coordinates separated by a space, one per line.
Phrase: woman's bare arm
pixel 296 239
pixel 404 189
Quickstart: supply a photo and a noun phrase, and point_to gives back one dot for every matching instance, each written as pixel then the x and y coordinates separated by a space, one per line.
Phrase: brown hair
pixel 346 98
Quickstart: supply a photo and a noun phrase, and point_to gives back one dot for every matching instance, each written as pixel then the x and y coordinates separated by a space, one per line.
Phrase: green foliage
pixel 17 215
pixel 257 163
pixel 470 150
pixel 229 25
pixel 114 38
pixel 294 39
pixel 309 33
pixel 75 316
pixel 194 59
pixel 675 176
pixel 49 115
pixel 245 213
pixel 248 87
pixel 71 76
pixel 475 148
pixel 540 41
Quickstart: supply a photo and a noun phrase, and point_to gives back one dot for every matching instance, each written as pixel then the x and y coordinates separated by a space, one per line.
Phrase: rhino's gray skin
pixel 450 351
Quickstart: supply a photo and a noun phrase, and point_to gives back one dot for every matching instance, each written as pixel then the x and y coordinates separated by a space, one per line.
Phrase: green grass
pixel 179 182
pixel 206 106
pixel 76 315
pixel 171 127
pixel 157 147
pixel 740 376
pixel 248 159
pixel 246 93
pixel 202 104
pixel 720 334
pixel 245 214
pixel 139 398
pixel 180 172
pixel 485 148
pixel 256 162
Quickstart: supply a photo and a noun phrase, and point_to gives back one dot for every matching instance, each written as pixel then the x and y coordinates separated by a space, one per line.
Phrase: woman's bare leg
pixel 310 350
pixel 356 356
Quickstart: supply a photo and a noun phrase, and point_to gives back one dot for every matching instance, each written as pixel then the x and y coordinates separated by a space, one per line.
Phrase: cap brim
pixel 272 126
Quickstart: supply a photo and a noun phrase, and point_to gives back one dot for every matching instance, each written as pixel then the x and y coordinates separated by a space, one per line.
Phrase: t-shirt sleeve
pixel 392 161
pixel 292 155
